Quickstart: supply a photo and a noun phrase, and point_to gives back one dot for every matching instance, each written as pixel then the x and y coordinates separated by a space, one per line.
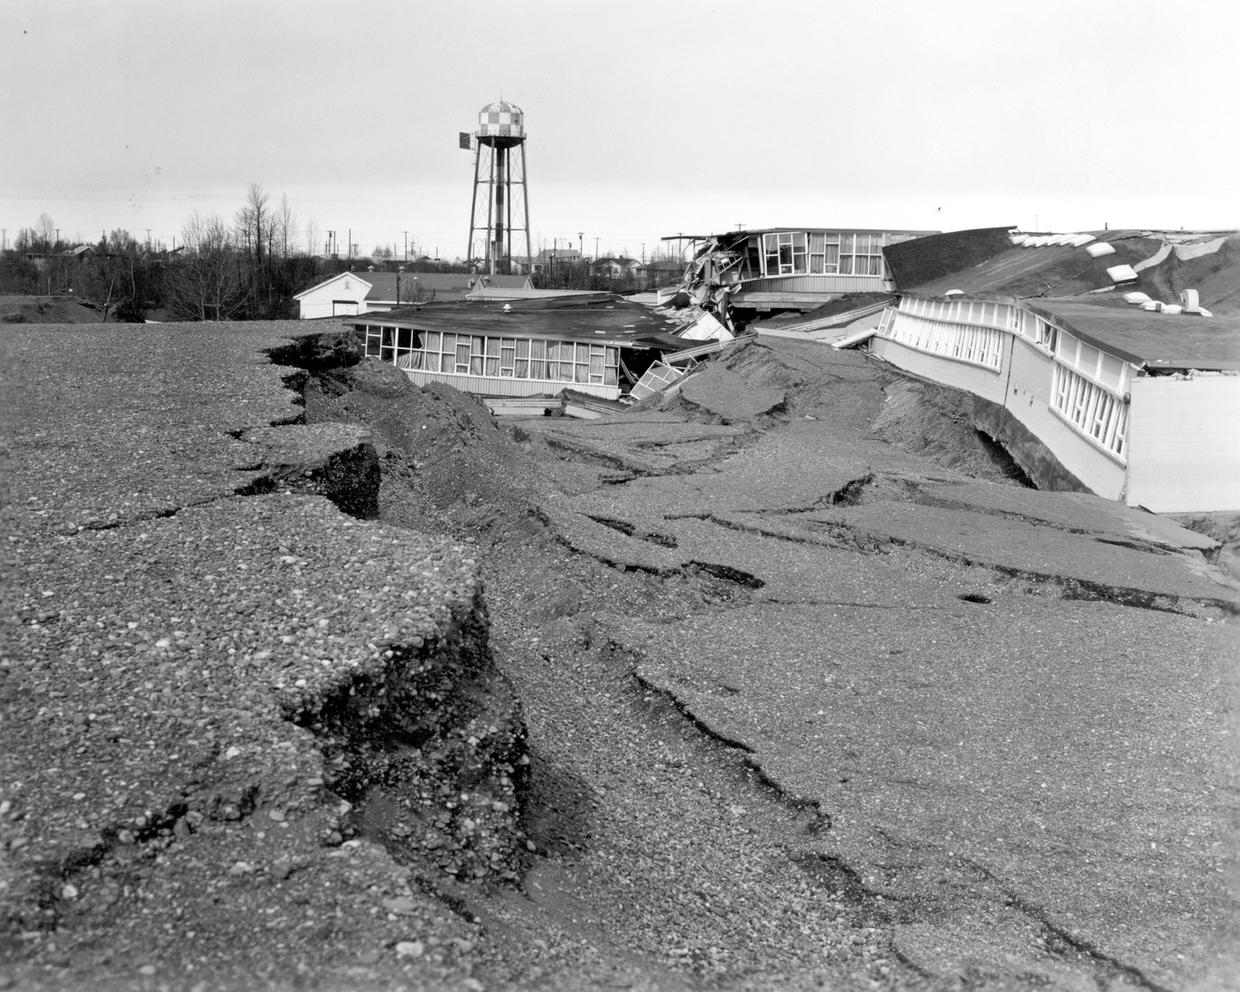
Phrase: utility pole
pixel 406 246
pixel 596 249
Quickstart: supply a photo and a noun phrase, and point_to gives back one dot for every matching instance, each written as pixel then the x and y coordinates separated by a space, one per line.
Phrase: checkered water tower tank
pixel 501 124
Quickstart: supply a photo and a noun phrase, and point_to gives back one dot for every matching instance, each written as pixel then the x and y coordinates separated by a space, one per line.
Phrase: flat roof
pixel 1161 341
pixel 600 318
pixel 746 232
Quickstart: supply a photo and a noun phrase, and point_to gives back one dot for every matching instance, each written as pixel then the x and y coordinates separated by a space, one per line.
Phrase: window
pixel 538 359
pixel 1096 412
pixel 785 253
pixel 817 253
pixel 933 330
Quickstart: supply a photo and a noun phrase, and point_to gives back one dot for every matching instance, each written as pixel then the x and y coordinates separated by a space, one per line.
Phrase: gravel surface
pixel 800 705
pixel 807 708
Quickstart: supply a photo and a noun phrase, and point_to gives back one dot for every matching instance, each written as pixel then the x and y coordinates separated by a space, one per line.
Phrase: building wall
pixel 824 283
pixel 984 382
pixel 1018 377
pixel 324 301
pixel 1028 400
pixel 495 386
pixel 1185 443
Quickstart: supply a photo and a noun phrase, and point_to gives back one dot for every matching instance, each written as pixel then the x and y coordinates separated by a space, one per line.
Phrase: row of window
pixel 1091 362
pixel 787 253
pixel 961 311
pixel 964 342
pixel 510 357
pixel 1095 411
pixel 1087 385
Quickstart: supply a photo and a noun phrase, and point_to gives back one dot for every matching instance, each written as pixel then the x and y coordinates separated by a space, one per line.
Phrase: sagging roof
pixel 985 262
pixel 1160 341
pixel 603 318
pixel 777 228
pixel 444 285
pixel 452 285
pixel 1082 283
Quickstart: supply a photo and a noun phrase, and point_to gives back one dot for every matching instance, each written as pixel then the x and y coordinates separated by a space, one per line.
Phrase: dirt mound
pixel 444 445
pixel 938 423
pixel 47 310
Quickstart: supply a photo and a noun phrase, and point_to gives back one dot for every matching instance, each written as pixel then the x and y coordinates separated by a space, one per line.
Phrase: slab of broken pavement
pixel 1011 712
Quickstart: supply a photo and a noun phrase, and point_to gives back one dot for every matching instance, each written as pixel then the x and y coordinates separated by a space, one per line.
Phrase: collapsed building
pixel 1102 361
pixel 740 276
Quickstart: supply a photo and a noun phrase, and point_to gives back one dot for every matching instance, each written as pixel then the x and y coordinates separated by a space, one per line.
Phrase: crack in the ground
pixel 1110 964
pixel 630 530
pixel 821 820
pixel 777 601
pixel 1039 583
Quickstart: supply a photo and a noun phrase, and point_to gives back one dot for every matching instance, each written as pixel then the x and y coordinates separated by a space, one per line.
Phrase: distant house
pixel 552 258
pixel 661 272
pixel 615 268
pixel 1088 380
pixel 348 294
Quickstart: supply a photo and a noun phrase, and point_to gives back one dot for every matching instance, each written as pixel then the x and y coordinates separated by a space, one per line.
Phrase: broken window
pixel 785 253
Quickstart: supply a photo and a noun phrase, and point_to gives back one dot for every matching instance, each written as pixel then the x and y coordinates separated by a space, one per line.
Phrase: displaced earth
pixel 783 682
pixel 20 309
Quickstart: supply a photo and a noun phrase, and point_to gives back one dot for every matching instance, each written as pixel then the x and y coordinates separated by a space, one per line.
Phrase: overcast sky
pixel 644 118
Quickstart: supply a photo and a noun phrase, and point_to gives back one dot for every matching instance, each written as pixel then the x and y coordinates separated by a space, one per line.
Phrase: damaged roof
pixel 601 317
pixel 1072 284
pixel 1160 341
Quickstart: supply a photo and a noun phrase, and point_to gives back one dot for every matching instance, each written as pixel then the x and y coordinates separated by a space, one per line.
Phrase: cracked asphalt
pixel 1016 708
pixel 807 705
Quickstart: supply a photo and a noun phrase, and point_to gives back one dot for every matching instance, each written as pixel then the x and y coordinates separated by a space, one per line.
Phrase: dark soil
pixel 47 310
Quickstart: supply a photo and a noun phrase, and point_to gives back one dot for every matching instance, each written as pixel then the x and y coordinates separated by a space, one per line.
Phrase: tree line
pixel 245 269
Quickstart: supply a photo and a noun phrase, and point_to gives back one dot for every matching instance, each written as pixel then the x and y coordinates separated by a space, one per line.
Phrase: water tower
pixel 500 182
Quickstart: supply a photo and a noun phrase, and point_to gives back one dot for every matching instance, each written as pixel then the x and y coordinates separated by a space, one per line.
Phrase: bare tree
pixel 285 223
pixel 204 283
pixel 255 225
pixel 45 231
pixel 312 237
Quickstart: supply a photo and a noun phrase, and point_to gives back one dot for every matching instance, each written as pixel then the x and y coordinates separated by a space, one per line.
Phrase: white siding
pixel 331 298
pixel 975 379
pixel 481 385
pixel 1029 401
pixel 1184 444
